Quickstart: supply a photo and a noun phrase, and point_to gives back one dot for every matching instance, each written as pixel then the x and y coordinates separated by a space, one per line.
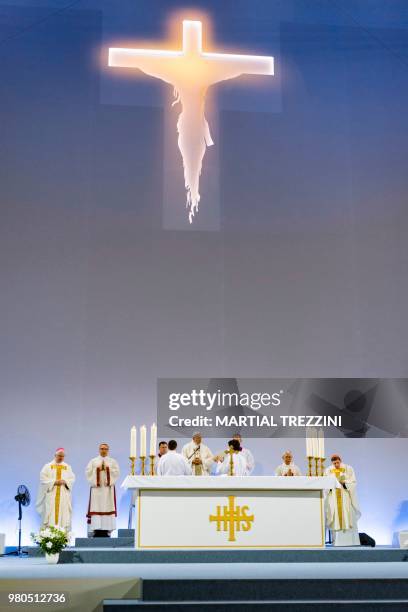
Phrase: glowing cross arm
pixel 131 58
pixel 163 64
pixel 241 64
pixel 223 66
pixel 156 63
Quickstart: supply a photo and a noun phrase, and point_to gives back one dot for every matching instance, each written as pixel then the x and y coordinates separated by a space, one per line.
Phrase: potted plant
pixel 51 540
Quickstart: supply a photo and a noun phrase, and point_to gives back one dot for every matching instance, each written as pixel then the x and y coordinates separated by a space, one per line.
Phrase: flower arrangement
pixel 51 540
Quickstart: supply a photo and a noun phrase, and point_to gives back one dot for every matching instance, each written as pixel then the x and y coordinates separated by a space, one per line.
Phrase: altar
pixel 190 512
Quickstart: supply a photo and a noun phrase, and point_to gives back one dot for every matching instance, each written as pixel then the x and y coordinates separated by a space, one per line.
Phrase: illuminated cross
pixel 191 71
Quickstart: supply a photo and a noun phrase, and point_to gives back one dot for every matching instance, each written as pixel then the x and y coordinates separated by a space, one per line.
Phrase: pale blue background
pixel 306 275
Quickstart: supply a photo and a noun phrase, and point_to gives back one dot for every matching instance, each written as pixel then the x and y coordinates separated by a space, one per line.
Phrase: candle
pixel 315 443
pixel 308 443
pixel 321 444
pixel 143 441
pixel 153 439
pixel 133 442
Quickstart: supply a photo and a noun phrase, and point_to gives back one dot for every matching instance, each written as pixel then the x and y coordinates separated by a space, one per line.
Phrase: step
pixel 34 551
pixel 119 542
pixel 129 605
pixel 329 555
pixel 270 589
pixel 126 533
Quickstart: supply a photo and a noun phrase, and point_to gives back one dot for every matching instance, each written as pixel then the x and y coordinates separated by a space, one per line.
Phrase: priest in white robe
pixel 173 463
pixel 102 472
pixel 198 456
pixel 287 467
pixel 250 461
pixel 54 502
pixel 238 461
pixel 342 507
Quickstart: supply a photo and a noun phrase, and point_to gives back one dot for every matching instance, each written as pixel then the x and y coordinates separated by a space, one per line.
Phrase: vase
pixel 52 558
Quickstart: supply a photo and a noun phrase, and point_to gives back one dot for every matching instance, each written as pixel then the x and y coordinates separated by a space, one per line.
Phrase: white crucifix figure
pixel 191 72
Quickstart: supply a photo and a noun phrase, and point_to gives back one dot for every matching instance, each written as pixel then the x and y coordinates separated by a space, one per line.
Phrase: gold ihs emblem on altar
pixel 232 518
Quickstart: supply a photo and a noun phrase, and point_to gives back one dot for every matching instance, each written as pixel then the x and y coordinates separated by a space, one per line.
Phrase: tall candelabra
pixel 144 457
pixel 318 468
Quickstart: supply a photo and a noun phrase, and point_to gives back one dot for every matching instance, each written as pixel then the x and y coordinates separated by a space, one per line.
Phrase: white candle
pixel 153 439
pixel 308 443
pixel 133 442
pixel 321 443
pixel 315 443
pixel 143 441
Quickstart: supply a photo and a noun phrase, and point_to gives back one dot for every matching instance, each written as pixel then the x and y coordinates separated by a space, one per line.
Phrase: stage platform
pixel 32 567
pixel 361 578
pixel 110 572
pixel 112 555
pixel 120 549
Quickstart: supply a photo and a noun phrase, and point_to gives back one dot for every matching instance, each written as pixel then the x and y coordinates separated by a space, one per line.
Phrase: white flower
pixel 46 533
pixel 49 544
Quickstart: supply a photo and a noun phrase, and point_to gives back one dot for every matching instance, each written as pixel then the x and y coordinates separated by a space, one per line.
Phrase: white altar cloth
pixel 208 512
pixel 235 482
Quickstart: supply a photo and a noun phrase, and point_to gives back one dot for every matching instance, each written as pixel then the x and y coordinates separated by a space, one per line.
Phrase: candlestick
pixel 152 457
pixel 133 442
pixel 132 465
pixel 230 452
pixel 153 440
pixel 316 466
pixel 322 460
pixel 309 472
pixel 142 465
pixel 143 441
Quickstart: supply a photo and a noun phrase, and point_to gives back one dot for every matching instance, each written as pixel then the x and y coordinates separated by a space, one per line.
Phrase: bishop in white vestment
pixel 102 472
pixel 172 463
pixel 342 508
pixel 198 456
pixel 54 502
pixel 287 467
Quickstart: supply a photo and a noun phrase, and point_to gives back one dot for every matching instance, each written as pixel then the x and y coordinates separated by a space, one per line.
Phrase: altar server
pixel 198 456
pixel 247 454
pixel 54 502
pixel 163 448
pixel 287 467
pixel 342 508
pixel 172 463
pixel 239 461
pixel 102 472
